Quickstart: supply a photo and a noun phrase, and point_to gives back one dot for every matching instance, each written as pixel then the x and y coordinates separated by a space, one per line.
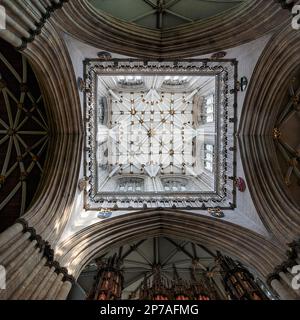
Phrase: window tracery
pixel 208 157
pixel 130 185
pixel 208 109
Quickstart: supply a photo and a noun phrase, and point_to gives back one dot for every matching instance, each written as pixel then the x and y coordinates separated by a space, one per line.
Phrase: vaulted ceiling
pixel 56 76
pixel 140 259
pixel 287 143
pixel 163 14
pixel 23 135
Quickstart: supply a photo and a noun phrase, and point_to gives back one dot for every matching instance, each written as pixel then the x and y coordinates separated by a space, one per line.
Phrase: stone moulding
pixel 246 22
pixel 247 246
pixel 46 249
pixel 263 103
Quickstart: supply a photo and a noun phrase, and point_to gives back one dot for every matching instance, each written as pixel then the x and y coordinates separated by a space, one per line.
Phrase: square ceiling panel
pixel 158 133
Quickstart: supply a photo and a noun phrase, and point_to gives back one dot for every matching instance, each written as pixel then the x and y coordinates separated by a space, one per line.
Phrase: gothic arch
pixel 24 135
pixel 30 247
pixel 103 31
pixel 265 98
pixel 53 204
pixel 252 249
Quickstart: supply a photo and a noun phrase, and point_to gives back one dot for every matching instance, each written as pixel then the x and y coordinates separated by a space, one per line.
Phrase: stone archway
pixel 264 101
pixel 244 23
pixel 250 248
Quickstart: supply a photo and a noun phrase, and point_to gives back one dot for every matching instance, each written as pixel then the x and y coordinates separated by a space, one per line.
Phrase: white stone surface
pixel 245 215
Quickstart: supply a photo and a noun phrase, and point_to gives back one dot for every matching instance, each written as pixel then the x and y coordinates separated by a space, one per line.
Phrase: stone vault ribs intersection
pixel 224 194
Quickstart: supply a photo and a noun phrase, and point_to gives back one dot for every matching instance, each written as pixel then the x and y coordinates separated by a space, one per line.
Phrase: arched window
pixel 132 80
pixel 131 184
pixel 174 184
pixel 208 109
pixel 208 157
pixel 175 80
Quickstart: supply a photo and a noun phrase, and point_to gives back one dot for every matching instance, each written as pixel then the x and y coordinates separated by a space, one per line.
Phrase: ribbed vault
pixel 287 144
pixel 139 260
pixel 55 199
pixel 53 69
pixel 243 23
pixel 163 14
pixel 266 99
pixel 23 135
pixel 53 204
pixel 247 246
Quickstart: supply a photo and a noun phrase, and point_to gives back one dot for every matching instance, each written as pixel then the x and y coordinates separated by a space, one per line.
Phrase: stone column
pixel 11 38
pixel 40 291
pixel 56 284
pixel 11 250
pixel 9 234
pixel 31 270
pixel 18 276
pixel 24 290
pixel 21 256
pixel 64 291
pixel 44 293
pixel 35 283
